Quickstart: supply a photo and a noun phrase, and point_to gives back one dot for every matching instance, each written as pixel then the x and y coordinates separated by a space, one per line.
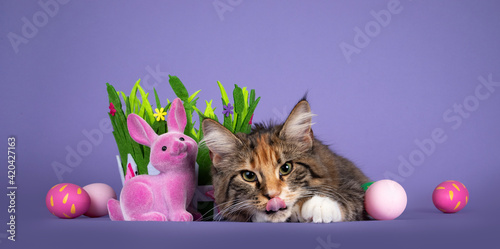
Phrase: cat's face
pixel 261 176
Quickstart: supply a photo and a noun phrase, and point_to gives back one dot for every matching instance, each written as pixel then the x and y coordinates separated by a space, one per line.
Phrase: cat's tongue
pixel 275 204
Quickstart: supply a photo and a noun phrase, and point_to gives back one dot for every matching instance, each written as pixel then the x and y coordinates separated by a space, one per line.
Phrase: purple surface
pixel 374 106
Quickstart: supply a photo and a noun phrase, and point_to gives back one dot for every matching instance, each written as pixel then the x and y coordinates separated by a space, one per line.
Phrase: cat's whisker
pixel 216 206
pixel 223 210
pixel 228 212
pixel 237 207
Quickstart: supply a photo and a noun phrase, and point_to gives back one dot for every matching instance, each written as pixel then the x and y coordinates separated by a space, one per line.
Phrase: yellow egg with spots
pixel 67 201
pixel 450 196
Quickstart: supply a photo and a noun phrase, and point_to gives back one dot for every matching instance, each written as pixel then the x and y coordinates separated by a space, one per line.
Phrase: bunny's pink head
pixel 172 150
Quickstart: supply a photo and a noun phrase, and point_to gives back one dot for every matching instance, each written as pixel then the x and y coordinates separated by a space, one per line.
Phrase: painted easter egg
pixel 67 201
pixel 385 200
pixel 99 194
pixel 450 196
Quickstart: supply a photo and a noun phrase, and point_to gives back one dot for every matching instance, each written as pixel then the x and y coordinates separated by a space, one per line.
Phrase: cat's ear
pixel 297 126
pixel 219 140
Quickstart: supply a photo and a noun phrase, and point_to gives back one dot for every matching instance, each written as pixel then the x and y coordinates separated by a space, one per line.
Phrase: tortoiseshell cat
pixel 281 173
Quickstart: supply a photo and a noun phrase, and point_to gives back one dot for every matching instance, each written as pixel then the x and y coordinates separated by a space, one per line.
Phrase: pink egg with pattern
pixel 450 196
pixel 67 201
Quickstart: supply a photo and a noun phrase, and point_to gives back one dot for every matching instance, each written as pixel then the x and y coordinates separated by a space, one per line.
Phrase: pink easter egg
pixel 450 196
pixel 67 201
pixel 385 200
pixel 99 194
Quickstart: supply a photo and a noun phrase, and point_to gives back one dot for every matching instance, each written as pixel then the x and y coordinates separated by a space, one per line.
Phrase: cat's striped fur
pixel 321 187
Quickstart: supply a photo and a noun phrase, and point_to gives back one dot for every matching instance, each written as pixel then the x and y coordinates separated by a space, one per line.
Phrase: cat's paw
pixel 321 210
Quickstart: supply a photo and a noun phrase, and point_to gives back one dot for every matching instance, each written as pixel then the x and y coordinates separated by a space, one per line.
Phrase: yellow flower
pixel 160 114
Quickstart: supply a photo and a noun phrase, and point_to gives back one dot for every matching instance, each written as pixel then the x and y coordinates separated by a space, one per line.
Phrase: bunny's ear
pixel 176 119
pixel 140 130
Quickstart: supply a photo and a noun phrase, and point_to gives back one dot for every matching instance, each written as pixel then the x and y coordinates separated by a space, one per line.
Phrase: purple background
pixel 371 109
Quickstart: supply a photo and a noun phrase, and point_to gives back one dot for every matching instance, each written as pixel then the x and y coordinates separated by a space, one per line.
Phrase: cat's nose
pixel 178 148
pixel 275 204
pixel 272 193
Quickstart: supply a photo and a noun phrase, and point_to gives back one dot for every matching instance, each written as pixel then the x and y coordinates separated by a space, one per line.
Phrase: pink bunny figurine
pixel 166 196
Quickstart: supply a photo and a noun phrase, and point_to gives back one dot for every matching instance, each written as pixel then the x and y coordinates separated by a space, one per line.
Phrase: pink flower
pixel 112 109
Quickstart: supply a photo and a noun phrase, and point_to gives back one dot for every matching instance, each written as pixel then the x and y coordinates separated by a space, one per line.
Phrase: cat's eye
pixel 286 169
pixel 249 176
pixel 164 148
